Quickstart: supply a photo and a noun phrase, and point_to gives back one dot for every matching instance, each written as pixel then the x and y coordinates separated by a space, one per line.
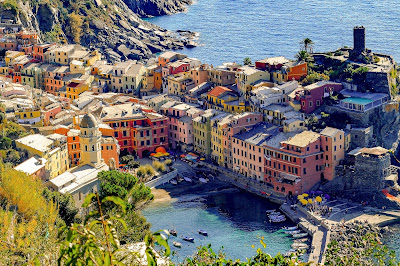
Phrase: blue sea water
pixel 234 219
pixel 231 30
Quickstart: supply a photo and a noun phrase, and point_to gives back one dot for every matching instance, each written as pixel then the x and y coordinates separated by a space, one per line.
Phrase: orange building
pixel 40 49
pixel 168 57
pixel 200 74
pixel 158 79
pixel 296 71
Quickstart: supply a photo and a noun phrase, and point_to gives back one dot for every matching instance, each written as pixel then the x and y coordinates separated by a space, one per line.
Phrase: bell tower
pixel 90 141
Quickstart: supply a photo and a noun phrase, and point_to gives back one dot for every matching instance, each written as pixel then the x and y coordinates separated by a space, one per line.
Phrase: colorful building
pixel 202 132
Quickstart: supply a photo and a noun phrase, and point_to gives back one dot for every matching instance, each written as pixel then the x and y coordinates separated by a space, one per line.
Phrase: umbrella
pixel 183 155
pixel 310 201
pixel 312 192
pixel 327 196
pixel 152 154
pixel 318 199
pixel 202 159
pixel 305 195
pixel 304 202
pixel 319 192
pixel 299 197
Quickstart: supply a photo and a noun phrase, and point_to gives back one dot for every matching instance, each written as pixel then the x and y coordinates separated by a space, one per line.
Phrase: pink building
pixel 333 144
pixel 180 117
pixel 314 94
pixel 50 111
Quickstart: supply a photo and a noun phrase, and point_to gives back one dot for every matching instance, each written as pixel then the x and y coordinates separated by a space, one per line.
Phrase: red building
pixel 314 94
pixel 272 63
pixel 40 49
pixel 137 128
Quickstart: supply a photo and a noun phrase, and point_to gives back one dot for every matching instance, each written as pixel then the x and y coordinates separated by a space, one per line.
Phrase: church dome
pixel 88 121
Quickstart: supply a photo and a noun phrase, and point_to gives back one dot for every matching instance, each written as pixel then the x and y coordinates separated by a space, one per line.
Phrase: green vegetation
pixel 75 23
pixel 168 162
pixel 130 162
pixel 307 45
pixel 11 5
pixel 348 72
pixel 145 172
pixel 247 61
pixel 313 77
pixel 159 166
pixel 303 56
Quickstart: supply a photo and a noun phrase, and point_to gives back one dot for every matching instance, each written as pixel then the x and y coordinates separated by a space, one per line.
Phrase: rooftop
pixel 32 165
pixel 258 134
pixel 329 131
pixel 134 70
pixel 37 141
pixel 374 151
pixel 217 91
pixel 303 139
pixel 274 60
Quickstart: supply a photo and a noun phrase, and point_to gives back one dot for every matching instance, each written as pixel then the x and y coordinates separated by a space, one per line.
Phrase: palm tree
pixel 307 45
pixel 303 56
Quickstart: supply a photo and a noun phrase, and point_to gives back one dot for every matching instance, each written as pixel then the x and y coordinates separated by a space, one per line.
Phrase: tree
pixel 65 203
pixel 303 56
pixel 115 183
pixel 247 61
pixel 307 45
pixel 5 143
pixel 75 27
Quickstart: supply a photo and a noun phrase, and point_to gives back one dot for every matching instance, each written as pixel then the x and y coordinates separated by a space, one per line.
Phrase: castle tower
pixel 90 140
pixel 359 40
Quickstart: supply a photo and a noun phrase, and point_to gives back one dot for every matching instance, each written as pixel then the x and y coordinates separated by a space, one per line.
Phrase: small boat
pixel 300 246
pixel 290 252
pixel 179 179
pixel 189 239
pixel 188 179
pixel 293 232
pixel 173 182
pixel 300 240
pixel 276 216
pixel 203 180
pixel 202 232
pixel 177 244
pixel 270 211
pixel 290 228
pixel 301 235
pixel 172 232
pixel 274 213
pixel 277 220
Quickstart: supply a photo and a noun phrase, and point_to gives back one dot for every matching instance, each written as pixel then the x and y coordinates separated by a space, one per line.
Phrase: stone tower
pixel 359 40
pixel 90 140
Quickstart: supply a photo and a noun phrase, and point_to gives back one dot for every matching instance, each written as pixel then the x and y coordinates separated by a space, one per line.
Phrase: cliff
pixel 151 8
pixel 108 25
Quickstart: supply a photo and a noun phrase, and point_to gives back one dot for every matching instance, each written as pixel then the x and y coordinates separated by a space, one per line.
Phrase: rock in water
pixel 152 8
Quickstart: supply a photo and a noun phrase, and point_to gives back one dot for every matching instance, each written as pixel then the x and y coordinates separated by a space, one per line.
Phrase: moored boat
pixel 270 211
pixel 177 244
pixel 300 246
pixel 179 179
pixel 172 232
pixel 277 219
pixel 188 179
pixel 301 235
pixel 203 180
pixel 202 232
pixel 189 239
pixel 290 228
pixel 300 240
pixel 293 232
pixel 173 182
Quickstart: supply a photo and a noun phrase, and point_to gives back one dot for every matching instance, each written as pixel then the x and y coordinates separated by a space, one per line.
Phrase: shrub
pixel 160 167
pixel 168 162
pixel 133 164
pixel 75 27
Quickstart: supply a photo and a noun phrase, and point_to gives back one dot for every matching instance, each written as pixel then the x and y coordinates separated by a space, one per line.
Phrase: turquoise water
pixel 234 219
pixel 357 100
pixel 232 30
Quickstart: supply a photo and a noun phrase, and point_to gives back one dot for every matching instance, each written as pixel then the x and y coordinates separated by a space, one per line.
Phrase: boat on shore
pixel 188 179
pixel 172 232
pixel 177 244
pixel 301 235
pixel 203 180
pixel 188 239
pixel 202 232
pixel 277 219
pixel 179 179
pixel 173 182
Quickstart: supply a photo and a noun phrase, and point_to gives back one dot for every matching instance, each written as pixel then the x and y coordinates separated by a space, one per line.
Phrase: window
pixel 116 134
pixel 308 148
pixel 318 103
pixel 304 171
pixel 304 160
pixel 334 148
pixel 310 104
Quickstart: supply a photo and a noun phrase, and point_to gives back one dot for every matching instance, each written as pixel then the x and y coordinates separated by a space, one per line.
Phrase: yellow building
pixel 29 116
pixel 62 54
pixel 74 89
pixel 53 148
pixel 10 55
pixel 224 99
pixel 248 76
pixel 179 84
pixel 217 136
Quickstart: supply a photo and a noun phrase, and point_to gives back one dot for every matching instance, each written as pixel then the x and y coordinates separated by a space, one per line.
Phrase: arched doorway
pixel 322 177
pixel 145 153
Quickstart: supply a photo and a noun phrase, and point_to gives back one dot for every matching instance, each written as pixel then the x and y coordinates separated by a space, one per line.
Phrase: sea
pixel 230 30
pixel 235 220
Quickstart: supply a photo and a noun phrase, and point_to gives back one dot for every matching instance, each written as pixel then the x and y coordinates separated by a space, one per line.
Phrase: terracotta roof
pixel 217 91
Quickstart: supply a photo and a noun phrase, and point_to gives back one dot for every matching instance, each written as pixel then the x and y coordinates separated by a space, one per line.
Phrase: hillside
pixel 151 8
pixel 108 25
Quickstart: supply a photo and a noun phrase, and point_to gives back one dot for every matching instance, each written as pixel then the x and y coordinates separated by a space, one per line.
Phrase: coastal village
pixel 260 125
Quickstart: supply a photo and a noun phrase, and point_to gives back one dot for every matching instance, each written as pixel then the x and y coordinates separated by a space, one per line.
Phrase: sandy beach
pixel 161 195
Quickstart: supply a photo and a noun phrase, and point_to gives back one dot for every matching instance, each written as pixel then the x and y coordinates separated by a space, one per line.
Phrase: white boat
pixel 300 246
pixel 203 180
pixel 293 232
pixel 187 179
pixel 300 240
pixel 290 228
pixel 274 213
pixel 301 235
pixel 173 182
pixel 177 244
pixel 270 211
pixel 277 220
pixel 290 252
pixel 277 216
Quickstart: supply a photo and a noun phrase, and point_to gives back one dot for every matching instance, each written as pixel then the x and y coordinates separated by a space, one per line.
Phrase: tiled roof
pixel 217 91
